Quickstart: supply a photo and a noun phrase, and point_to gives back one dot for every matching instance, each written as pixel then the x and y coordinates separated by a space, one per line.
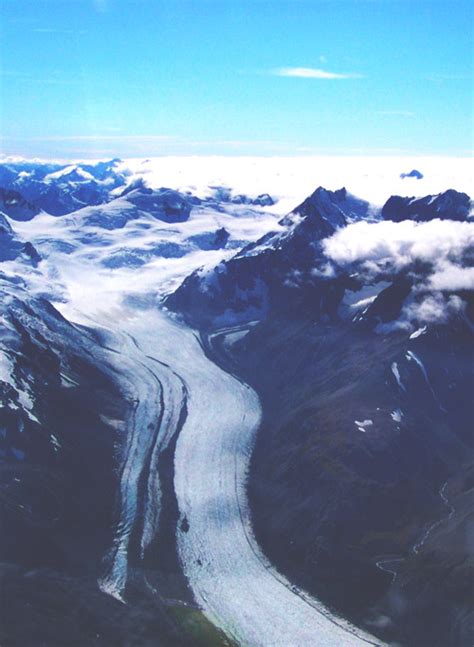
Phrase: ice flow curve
pixel 232 581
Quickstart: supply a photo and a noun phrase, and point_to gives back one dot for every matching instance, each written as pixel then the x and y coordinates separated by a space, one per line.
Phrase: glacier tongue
pixel 232 581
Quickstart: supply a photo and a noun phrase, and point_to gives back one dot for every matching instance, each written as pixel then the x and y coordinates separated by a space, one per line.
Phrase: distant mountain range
pixel 59 189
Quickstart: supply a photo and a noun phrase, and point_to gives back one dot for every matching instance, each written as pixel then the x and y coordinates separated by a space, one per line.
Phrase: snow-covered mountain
pixel 61 188
pixel 329 359
pixel 330 245
pixel 450 205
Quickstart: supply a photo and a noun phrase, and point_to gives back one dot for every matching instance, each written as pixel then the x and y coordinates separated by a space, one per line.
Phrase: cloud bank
pixel 441 252
pixel 391 246
pixel 434 308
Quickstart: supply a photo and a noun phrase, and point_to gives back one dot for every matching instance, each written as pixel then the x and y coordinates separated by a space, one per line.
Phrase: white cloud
pixel 434 308
pixel 325 271
pixel 311 73
pixel 425 310
pixel 391 245
pixel 442 246
pixel 451 277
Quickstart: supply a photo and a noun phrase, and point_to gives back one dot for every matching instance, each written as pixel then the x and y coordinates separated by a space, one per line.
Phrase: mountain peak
pixel 338 208
pixel 450 205
pixel 417 175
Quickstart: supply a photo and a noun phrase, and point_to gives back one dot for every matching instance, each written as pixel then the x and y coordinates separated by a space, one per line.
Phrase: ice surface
pixel 411 356
pixel 396 373
pixel 418 332
pixel 396 415
pixel 233 582
pixel 363 424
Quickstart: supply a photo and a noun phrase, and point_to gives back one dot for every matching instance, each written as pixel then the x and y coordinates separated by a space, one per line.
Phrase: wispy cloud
pixel 395 113
pixel 311 73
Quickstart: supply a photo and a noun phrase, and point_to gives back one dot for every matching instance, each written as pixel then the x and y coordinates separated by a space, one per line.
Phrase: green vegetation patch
pixel 195 624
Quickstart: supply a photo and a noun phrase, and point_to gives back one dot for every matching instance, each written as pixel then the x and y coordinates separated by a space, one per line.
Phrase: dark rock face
pixel 164 204
pixel 11 247
pixel 61 423
pixel 32 253
pixel 221 238
pixel 414 174
pixel 136 184
pixel 5 227
pixel 240 198
pixel 361 433
pixel 262 200
pixel 53 491
pixel 281 271
pixel 388 304
pixel 338 208
pixel 349 464
pixel 41 606
pixel 224 194
pixel 450 205
pixel 212 240
pixel 14 205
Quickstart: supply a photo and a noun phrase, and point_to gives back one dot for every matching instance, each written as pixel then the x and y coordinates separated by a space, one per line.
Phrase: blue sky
pixel 95 78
